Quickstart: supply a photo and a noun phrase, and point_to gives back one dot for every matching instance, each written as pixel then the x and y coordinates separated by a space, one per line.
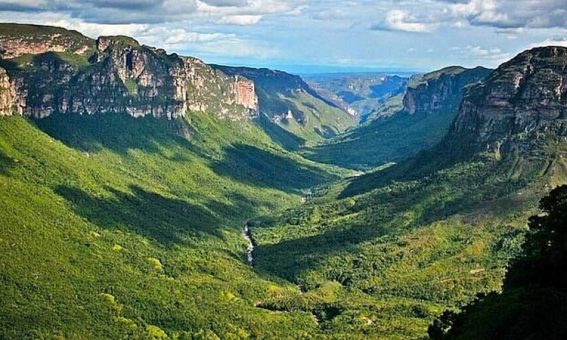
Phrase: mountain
pixel 428 234
pixel 363 93
pixel 292 104
pixel 62 71
pixel 524 95
pixel 429 105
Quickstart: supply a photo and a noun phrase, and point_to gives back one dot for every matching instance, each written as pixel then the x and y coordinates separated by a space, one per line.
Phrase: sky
pixel 306 36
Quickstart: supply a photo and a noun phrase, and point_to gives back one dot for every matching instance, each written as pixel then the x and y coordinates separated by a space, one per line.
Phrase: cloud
pixel 237 12
pixel 241 20
pixel 412 16
pixel 398 20
pixel 555 41
pixel 511 13
pixel 227 3
pixel 479 54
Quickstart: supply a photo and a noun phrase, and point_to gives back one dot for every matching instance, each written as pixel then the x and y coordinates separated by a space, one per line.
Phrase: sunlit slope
pixel 114 226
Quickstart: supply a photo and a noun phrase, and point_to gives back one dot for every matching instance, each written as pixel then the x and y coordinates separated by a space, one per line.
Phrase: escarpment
pixel 118 76
pixel 442 89
pixel 524 95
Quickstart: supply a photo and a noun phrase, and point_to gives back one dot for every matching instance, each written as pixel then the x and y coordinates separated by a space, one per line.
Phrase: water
pixel 247 234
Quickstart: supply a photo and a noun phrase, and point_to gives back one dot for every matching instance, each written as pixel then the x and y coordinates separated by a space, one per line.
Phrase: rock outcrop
pixel 122 76
pixel 440 90
pixel 17 40
pixel 7 95
pixel 273 88
pixel 525 94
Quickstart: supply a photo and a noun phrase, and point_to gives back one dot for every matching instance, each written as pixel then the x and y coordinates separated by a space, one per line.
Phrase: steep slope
pixel 293 105
pixel 430 104
pixel 430 233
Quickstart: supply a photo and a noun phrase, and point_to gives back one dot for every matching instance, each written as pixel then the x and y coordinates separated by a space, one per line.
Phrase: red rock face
pixel 246 94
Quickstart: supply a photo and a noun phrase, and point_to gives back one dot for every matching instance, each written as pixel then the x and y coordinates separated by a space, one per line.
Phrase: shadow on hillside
pixel 257 167
pixel 165 220
pixel 5 163
pixel 288 259
pixel 279 135
pixel 326 131
pixel 117 132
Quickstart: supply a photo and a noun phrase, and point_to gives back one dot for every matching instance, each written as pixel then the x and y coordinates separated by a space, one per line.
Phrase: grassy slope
pixel 379 142
pixel 401 252
pixel 116 227
pixel 321 119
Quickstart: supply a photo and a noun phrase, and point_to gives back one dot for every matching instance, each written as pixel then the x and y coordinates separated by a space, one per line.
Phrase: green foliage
pixel 535 289
pixel 122 227
pixel 383 141
pixel 418 245
pixel 293 106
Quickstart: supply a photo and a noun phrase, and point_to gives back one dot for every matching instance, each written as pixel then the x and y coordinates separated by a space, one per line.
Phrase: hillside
pixel 534 291
pixel 290 103
pixel 419 121
pixel 428 234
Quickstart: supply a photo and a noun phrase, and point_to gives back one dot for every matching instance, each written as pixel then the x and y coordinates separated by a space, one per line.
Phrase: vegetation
pixel 118 226
pixel 380 142
pixel 416 238
pixel 288 102
pixel 121 227
pixel 402 126
pixel 535 290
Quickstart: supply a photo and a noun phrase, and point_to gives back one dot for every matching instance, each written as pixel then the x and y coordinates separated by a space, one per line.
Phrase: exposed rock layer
pixel 120 76
pixel 525 94
pixel 443 89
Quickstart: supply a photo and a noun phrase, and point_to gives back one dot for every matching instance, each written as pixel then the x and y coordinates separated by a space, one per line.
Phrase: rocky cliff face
pixel 440 90
pixel 121 76
pixel 7 94
pixel 273 88
pixel 525 94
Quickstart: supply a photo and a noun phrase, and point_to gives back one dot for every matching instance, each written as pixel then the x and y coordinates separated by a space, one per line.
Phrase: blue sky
pixel 334 35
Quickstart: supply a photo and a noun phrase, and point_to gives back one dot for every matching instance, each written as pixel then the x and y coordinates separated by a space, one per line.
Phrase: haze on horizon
pixel 298 35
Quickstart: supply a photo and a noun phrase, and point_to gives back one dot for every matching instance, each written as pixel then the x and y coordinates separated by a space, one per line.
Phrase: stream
pixel 247 234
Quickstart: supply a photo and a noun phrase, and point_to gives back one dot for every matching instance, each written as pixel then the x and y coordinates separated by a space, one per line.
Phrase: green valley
pixel 150 195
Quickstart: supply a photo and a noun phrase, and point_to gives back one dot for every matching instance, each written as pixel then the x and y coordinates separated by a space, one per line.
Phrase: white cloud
pixel 241 20
pixel 398 20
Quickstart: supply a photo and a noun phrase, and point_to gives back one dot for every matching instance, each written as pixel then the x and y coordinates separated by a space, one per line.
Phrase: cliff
pixel 119 76
pixel 7 94
pixel 440 90
pixel 273 89
pixel 524 95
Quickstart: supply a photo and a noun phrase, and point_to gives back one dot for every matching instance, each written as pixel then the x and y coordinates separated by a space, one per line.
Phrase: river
pixel 247 234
